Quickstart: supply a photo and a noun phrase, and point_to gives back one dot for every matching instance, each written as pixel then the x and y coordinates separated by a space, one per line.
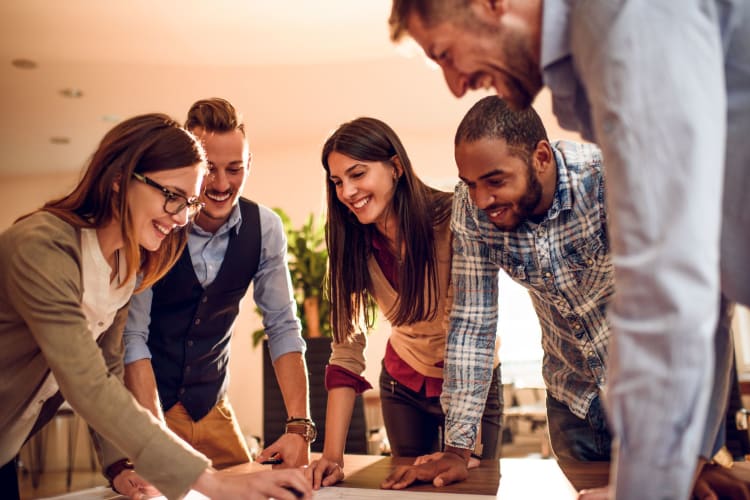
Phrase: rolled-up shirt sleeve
pixel 337 376
pixel 272 289
pixel 135 335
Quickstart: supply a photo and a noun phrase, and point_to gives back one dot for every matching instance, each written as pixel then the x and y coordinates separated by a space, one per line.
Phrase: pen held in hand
pixel 273 460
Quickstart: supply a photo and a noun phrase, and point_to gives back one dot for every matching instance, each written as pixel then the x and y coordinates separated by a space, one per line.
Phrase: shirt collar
pixel 555 32
pixel 563 199
pixel 233 222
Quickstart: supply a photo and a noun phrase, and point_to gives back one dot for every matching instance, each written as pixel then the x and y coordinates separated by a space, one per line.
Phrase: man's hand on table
pixel 473 462
pixel 713 483
pixel 451 467
pixel 291 449
pixel 324 472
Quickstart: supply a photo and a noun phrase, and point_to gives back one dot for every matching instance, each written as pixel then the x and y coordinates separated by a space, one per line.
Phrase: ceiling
pixel 296 68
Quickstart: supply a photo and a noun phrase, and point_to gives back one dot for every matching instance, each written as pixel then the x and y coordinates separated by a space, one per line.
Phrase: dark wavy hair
pixel 145 143
pixel 418 208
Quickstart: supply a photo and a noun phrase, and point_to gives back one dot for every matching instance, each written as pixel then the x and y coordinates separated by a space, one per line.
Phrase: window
pixel 520 335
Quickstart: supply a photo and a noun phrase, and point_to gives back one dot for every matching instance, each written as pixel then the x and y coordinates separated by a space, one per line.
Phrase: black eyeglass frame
pixel 192 204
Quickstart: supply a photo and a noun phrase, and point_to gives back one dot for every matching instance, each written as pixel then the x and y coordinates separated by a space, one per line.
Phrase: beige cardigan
pixel 43 328
pixel 421 345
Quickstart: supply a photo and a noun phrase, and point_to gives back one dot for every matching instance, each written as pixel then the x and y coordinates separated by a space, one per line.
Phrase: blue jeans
pixel 578 439
pixel 415 423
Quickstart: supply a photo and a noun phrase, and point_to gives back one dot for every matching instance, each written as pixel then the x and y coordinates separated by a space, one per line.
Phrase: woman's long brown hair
pixel 418 208
pixel 145 143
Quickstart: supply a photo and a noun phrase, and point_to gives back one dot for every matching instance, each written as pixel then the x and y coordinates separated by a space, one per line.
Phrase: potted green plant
pixel 308 261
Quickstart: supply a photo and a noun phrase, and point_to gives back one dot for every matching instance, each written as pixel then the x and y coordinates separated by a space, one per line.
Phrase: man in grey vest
pixel 178 332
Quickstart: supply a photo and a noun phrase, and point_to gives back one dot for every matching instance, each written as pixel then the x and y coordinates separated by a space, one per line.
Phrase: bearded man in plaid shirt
pixel 535 210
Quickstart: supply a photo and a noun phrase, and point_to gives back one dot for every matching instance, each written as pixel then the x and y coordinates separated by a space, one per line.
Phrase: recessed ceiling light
pixel 59 140
pixel 111 118
pixel 72 93
pixel 23 63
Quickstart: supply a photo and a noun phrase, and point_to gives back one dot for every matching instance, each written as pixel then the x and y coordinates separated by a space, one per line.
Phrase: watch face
pixel 312 433
pixel 305 429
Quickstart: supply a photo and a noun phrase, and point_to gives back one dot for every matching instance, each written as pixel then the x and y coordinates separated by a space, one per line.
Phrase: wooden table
pixel 583 475
pixel 514 478
pixel 511 478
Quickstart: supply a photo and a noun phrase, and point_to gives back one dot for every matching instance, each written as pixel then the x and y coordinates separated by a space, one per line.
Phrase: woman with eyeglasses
pixel 389 239
pixel 67 272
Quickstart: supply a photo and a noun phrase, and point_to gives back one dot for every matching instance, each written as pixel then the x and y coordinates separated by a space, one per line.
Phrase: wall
pixel 22 194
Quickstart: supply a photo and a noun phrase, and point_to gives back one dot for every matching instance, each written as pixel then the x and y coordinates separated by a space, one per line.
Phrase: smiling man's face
pixel 480 49
pixel 501 183
pixel 228 165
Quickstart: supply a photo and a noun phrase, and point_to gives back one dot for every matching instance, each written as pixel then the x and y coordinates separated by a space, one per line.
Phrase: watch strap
pixel 114 470
pixel 302 426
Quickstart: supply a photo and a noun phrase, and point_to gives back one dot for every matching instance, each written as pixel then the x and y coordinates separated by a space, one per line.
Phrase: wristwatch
pixel 302 426
pixel 115 469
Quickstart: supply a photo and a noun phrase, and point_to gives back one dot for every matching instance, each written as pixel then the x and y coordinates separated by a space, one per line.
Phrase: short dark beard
pixel 529 202
pixel 524 93
pixel 517 50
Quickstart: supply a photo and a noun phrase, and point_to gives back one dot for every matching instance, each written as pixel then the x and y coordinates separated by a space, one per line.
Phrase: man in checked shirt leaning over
pixel 536 210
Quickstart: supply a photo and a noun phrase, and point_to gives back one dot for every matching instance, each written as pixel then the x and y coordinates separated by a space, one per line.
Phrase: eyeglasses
pixel 174 203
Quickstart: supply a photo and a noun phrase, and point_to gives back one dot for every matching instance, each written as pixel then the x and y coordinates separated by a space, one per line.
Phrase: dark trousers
pixel 9 481
pixel 578 439
pixel 415 423
pixel 9 472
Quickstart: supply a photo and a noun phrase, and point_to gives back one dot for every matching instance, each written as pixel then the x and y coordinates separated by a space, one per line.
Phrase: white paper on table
pixel 367 494
pixel 191 495
pixel 105 493
pixel 96 493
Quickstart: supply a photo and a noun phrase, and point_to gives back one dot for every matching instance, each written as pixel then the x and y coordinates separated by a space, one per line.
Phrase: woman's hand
pixel 129 484
pixel 324 472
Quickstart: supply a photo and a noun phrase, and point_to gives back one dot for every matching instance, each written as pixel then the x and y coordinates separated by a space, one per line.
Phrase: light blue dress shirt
pixel 664 88
pixel 272 286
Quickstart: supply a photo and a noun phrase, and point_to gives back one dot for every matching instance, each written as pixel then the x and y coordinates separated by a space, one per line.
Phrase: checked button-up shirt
pixel 563 261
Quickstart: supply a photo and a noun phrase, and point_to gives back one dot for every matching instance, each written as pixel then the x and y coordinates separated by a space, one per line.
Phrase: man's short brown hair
pixel 214 115
pixel 430 12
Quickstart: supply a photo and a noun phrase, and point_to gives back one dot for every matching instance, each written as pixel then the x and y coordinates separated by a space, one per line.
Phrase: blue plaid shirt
pixel 562 261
